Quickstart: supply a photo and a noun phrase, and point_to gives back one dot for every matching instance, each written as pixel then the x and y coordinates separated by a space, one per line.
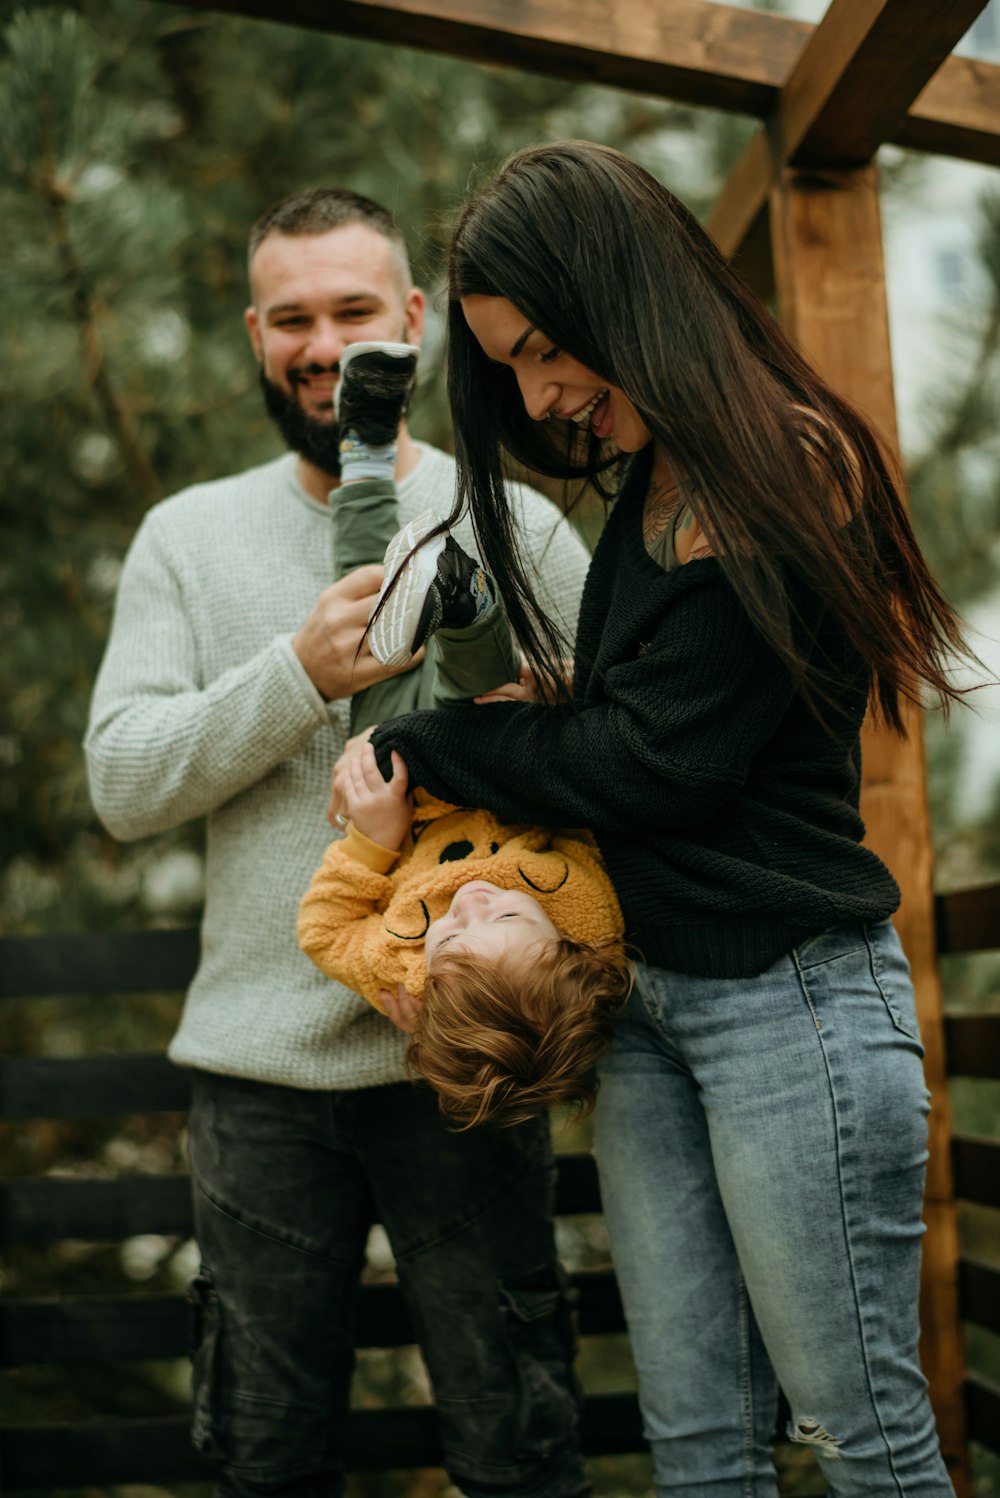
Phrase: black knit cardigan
pixel 727 814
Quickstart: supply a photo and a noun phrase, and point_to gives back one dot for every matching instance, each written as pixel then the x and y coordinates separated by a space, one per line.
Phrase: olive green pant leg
pixel 476 659
pixel 458 664
pixel 365 519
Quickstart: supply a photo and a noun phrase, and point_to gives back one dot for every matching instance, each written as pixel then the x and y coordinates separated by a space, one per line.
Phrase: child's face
pixel 501 924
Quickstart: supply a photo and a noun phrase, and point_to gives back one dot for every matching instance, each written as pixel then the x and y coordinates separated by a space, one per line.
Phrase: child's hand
pixel 381 809
pixel 402 1008
pixel 335 813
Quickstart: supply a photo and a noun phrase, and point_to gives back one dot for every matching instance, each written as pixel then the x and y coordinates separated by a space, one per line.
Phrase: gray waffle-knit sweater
pixel 201 708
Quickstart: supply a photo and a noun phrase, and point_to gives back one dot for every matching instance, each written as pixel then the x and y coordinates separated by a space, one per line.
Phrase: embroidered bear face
pixel 452 845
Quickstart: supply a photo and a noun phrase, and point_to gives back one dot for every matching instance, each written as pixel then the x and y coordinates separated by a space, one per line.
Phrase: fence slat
pixel 92 1086
pixel 968 920
pixel 976 1163
pixel 94 1211
pixel 97 962
pixel 979 1294
pixel 982 1410
pixel 148 1328
pixel 93 1328
pixel 158 1451
pixel 107 1211
pixel 972 1043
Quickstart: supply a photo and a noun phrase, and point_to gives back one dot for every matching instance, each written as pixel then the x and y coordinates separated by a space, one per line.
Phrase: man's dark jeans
pixel 286 1186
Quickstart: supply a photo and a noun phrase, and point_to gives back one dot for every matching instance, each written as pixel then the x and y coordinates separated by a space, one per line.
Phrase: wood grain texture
pixel 849 91
pixel 692 51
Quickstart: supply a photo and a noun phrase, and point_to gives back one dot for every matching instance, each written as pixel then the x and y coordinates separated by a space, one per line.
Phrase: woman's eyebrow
pixel 519 345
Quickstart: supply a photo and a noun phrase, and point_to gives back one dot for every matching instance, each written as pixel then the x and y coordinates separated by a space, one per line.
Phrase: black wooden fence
pixel 73 1331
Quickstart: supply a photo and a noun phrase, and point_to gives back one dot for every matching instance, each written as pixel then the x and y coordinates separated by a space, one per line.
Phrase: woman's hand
pixel 402 1008
pixel 335 813
pixel 381 809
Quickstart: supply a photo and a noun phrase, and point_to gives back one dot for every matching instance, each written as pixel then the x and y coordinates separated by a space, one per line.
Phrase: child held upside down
pixel 499 947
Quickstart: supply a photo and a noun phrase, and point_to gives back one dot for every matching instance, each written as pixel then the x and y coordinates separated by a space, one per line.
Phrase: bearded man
pixel 225 694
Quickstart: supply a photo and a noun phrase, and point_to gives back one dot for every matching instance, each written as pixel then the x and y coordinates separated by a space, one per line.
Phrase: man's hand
pixel 381 809
pixel 328 641
pixel 402 1008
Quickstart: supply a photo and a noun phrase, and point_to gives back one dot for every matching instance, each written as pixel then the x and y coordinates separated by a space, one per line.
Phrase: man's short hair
pixel 319 209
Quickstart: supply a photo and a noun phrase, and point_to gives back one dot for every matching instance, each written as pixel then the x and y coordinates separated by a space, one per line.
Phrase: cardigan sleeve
pixel 669 743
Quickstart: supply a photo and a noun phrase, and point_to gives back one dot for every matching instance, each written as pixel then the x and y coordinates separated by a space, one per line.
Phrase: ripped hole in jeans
pixel 809 1432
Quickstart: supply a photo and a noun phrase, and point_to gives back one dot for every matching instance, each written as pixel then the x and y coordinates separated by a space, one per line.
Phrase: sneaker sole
pixel 391 638
pixel 392 350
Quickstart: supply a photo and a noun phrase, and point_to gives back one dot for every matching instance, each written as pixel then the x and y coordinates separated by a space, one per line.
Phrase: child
pixel 511 936
pixel 509 939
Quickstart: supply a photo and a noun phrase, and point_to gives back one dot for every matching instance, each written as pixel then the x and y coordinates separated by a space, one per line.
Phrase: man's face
pixel 313 294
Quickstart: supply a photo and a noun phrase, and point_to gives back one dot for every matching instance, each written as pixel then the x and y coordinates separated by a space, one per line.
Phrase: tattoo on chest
pixel 658 512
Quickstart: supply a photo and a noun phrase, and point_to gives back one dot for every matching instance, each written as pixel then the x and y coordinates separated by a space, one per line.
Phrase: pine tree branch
pixel 954 435
pixel 83 312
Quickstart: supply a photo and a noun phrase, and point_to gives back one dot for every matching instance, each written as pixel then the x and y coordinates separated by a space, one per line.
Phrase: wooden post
pixel 830 281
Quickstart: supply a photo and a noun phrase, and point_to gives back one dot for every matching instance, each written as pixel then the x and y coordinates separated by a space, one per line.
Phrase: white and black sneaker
pixel 440 587
pixel 376 381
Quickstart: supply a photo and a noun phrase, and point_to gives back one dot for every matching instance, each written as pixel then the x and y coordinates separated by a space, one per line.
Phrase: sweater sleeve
pixel 556 560
pixel 340 920
pixel 163 746
pixel 670 742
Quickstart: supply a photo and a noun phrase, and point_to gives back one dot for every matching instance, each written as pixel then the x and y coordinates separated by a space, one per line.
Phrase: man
pixel 225 693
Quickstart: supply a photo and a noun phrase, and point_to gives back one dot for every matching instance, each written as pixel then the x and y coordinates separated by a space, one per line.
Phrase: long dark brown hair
pixel 787 480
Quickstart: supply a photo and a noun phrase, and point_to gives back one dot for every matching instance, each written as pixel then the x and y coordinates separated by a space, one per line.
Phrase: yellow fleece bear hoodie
pixel 367 910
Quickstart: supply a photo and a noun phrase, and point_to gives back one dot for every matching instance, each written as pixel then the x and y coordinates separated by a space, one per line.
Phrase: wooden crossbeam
pixel 686 50
pixel 691 51
pixel 848 92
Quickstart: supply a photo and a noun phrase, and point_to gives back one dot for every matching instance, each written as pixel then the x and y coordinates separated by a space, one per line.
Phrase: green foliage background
pixel 138 142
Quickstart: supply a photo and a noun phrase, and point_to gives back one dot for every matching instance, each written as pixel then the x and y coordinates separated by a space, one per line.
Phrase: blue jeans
pixel 762 1146
pixel 286 1186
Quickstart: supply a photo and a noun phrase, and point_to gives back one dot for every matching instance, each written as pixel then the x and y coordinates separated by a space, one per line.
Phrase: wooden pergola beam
pixel 848 92
pixel 830 282
pixel 958 113
pixel 715 56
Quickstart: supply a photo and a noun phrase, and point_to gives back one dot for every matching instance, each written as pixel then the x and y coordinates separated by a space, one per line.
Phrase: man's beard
pixel 316 441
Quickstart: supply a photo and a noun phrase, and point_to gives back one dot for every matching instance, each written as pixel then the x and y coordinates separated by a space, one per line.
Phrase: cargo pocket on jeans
pixel 537 1315
pixel 206 1355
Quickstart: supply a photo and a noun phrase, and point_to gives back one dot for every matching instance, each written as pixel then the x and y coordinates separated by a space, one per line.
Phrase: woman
pixel 761 1126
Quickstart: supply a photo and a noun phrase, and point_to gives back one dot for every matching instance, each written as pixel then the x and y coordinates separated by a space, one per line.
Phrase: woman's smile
pixel 552 383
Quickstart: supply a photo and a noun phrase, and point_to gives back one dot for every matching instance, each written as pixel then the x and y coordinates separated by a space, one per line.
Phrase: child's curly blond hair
pixel 500 1043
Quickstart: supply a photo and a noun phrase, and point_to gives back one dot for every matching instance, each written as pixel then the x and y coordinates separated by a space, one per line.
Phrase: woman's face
pixel 552 383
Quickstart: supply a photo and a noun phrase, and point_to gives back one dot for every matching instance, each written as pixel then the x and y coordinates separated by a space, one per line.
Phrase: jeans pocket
pixel 206 1359
pixel 831 945
pixel 537 1314
pixel 892 977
